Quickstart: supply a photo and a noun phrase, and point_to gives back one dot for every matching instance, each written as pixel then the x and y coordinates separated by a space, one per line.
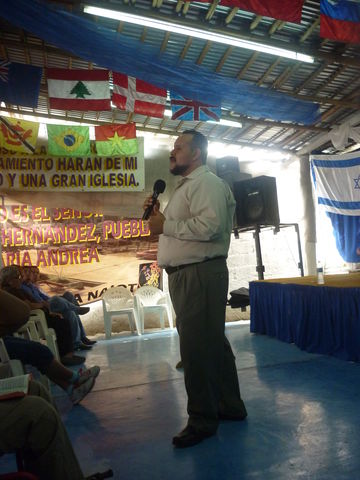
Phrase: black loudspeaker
pixel 227 167
pixel 256 202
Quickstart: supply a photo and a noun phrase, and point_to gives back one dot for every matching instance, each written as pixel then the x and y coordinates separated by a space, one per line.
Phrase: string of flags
pixel 339 19
pixel 69 140
pixel 89 90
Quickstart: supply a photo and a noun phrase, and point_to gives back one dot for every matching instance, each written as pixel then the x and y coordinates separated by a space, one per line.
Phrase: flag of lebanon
pixel 78 89
pixel 134 95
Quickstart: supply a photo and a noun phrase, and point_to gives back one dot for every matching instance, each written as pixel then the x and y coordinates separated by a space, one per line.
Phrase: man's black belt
pixel 170 270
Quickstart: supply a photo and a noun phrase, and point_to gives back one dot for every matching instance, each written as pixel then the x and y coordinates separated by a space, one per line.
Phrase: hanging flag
pixel 279 9
pixel 341 134
pixel 78 89
pixel 68 140
pixel 185 109
pixel 134 95
pixel 337 186
pixel 18 135
pixel 19 83
pixel 340 20
pixel 116 139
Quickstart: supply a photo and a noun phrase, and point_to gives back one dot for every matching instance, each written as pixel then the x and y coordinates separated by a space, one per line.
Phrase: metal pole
pixel 300 264
pixel 259 265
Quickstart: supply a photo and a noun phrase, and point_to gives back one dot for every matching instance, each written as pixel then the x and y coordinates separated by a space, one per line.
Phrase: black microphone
pixel 159 187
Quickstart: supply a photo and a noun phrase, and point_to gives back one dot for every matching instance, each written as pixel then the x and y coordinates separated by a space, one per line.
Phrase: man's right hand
pixel 148 202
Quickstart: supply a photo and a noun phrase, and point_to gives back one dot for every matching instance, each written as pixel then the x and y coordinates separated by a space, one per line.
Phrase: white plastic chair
pixel 118 301
pixel 37 330
pixel 41 332
pixel 8 367
pixel 152 299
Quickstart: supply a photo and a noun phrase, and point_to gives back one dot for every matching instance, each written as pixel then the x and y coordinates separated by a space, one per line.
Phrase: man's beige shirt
pixel 199 218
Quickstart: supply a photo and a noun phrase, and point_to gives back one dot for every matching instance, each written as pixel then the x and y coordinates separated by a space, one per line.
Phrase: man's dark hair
pixel 8 273
pixel 198 141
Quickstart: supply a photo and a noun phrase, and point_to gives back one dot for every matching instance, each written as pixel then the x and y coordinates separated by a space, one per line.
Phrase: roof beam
pixel 330 58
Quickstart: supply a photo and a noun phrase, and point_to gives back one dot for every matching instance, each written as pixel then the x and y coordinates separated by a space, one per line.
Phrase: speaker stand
pixel 259 265
pixel 257 230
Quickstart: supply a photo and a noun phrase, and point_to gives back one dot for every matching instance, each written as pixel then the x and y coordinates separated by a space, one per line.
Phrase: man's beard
pixel 179 169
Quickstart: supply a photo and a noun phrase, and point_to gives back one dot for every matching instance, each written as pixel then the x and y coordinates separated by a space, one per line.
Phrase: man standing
pixel 194 240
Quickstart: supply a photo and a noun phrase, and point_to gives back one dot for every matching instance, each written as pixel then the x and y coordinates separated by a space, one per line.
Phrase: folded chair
pixel 149 299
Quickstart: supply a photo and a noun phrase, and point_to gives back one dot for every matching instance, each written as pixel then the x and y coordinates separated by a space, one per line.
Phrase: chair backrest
pixel 4 357
pixel 8 367
pixel 149 295
pixel 116 298
pixel 42 332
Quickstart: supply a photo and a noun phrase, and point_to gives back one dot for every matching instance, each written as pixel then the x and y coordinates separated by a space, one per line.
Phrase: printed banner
pixel 73 174
pixel 83 252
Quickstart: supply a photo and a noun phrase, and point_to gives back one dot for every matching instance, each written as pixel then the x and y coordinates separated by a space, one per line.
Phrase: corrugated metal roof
pixel 333 80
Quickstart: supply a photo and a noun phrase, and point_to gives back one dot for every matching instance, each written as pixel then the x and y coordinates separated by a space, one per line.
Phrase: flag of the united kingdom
pixel 193 110
pixel 4 70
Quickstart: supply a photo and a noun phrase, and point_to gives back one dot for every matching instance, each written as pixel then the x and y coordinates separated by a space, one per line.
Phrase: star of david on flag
pixel 336 181
pixel 193 110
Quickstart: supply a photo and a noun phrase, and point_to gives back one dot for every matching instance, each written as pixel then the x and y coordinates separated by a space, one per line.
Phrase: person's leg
pixel 71 298
pixel 28 352
pixel 66 378
pixel 63 334
pixel 199 299
pixel 33 425
pixel 40 356
pixel 68 311
pixel 231 405
pixel 62 303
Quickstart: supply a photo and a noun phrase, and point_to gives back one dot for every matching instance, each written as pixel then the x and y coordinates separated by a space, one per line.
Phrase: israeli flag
pixel 337 186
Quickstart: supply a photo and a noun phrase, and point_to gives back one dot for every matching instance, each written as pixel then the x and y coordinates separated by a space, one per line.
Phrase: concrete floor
pixel 303 414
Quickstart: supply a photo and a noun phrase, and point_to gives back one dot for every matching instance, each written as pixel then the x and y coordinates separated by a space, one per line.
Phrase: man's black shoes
pixel 87 341
pixel 82 310
pixel 83 346
pixel 237 418
pixel 190 437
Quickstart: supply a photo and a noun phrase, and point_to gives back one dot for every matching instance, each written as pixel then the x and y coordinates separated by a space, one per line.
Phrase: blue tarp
pixel 115 51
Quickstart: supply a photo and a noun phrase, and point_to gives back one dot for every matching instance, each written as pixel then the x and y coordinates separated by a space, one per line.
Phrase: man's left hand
pixel 156 222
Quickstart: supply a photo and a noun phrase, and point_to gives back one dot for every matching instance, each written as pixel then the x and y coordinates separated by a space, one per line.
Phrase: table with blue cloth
pixel 317 318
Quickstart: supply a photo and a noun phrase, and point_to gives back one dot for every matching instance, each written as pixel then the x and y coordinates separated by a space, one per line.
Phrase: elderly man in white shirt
pixel 194 240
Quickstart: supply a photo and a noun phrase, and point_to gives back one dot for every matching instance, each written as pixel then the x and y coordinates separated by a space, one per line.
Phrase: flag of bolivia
pixel 115 139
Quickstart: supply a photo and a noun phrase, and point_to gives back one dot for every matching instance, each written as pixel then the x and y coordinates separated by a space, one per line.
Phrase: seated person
pixel 30 277
pixel 76 384
pixel 10 281
pixel 32 426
